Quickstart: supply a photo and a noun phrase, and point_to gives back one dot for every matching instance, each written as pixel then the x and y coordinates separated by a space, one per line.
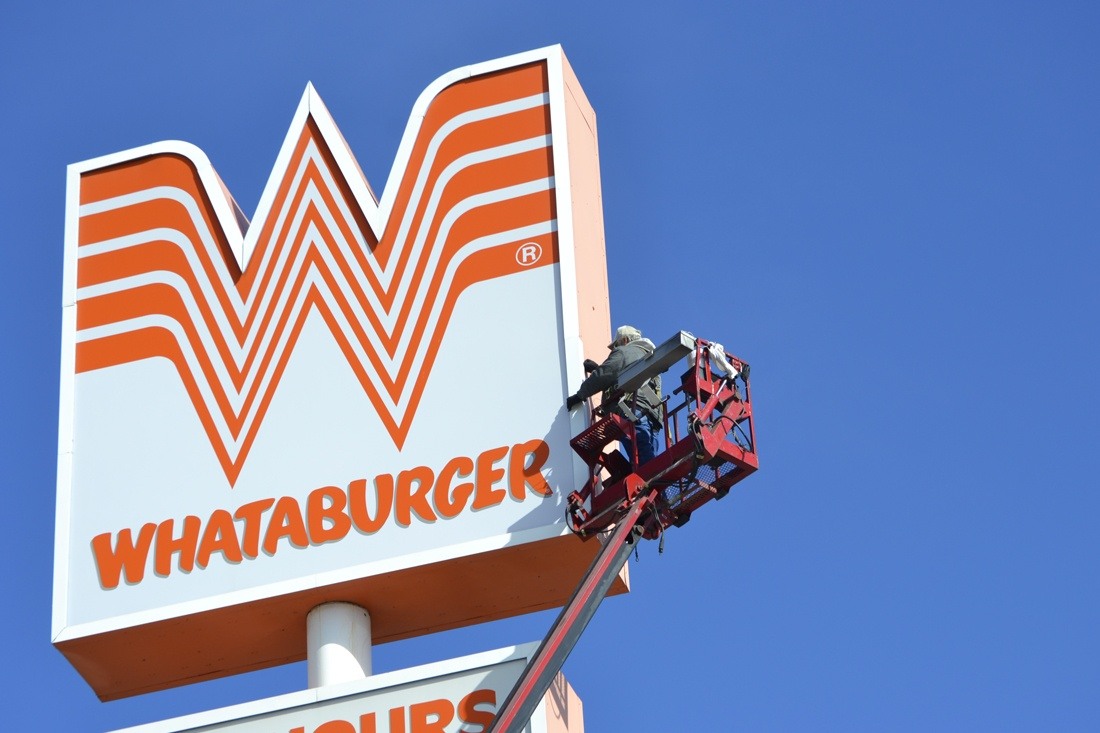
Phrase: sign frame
pixel 264 626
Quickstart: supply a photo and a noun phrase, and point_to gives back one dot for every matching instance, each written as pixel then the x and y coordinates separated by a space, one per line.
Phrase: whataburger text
pixel 328 514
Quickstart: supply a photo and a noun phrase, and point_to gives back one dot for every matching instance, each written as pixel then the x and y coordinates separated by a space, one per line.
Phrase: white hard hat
pixel 625 334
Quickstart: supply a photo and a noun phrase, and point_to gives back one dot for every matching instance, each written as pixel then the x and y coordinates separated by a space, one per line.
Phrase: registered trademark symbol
pixel 529 253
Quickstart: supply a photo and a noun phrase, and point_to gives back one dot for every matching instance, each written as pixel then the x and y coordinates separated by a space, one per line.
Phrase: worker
pixel 645 411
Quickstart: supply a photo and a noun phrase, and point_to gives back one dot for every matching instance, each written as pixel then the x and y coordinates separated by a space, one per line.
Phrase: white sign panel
pixel 347 398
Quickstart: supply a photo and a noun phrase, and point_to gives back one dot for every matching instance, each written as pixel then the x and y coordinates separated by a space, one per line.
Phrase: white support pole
pixel 338 644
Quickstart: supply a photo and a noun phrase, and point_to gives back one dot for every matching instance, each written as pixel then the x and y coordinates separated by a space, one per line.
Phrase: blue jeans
pixel 646 434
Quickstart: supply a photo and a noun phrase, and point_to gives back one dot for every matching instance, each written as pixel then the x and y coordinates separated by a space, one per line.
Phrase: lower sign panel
pixel 457 695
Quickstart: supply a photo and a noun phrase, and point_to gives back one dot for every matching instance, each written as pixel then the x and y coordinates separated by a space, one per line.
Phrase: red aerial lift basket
pixel 709 445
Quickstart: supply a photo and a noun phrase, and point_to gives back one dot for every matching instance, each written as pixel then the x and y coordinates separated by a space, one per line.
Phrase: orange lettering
pixel 185 545
pixel 367 723
pixel 442 710
pixel 251 514
pixel 286 521
pixel 487 475
pixel 125 557
pixel 220 535
pixel 397 720
pixel 357 495
pixel 468 712
pixel 328 514
pixel 317 513
pixel 449 502
pixel 520 474
pixel 335 726
pixel 409 501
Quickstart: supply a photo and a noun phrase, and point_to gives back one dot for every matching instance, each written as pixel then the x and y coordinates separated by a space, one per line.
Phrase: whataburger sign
pixel 348 398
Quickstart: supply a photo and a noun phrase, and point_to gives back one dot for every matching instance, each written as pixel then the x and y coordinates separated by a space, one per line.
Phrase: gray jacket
pixel 604 376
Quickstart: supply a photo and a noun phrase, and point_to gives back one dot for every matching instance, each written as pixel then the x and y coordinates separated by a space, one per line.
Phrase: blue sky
pixel 892 210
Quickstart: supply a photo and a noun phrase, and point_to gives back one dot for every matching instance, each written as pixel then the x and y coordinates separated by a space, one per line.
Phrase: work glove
pixel 572 401
pixel 590 366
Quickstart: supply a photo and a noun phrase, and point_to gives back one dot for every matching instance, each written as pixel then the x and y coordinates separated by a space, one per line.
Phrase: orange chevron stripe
pixel 235 320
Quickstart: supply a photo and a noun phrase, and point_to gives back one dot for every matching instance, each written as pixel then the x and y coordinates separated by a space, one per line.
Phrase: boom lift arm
pixel 710 445
pixel 570 624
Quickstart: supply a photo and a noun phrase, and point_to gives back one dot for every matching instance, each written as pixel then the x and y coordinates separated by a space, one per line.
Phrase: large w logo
pixel 164 270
